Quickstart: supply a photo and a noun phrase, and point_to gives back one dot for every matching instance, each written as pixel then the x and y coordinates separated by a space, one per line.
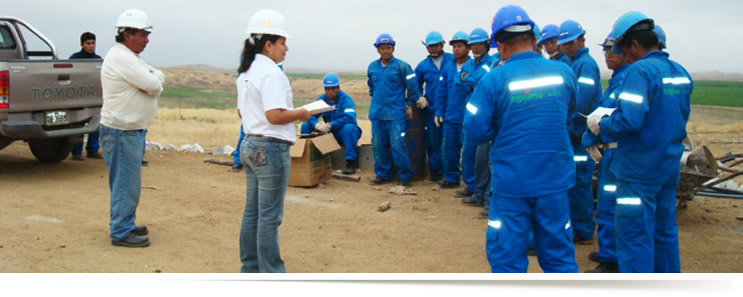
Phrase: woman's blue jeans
pixel 267 164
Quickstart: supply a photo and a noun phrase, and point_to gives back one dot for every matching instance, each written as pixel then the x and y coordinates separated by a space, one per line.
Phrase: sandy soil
pixel 54 217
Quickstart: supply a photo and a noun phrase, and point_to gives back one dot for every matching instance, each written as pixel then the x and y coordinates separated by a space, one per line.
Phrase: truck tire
pixel 50 150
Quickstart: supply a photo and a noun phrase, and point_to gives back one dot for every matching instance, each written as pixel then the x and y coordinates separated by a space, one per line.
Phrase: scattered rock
pixel 306 196
pixel 158 271
pixel 435 189
pixel 1 246
pixel 153 146
pixel 171 148
pixel 62 246
pixel 384 206
pixel 400 190
pixel 332 246
pixel 222 150
pixel 150 187
pixel 739 218
pixel 378 188
pixel 194 148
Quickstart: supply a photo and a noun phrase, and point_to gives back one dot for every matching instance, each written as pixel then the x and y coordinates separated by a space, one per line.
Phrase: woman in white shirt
pixel 264 99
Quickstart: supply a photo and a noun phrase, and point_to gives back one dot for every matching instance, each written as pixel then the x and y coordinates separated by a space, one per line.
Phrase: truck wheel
pixel 50 150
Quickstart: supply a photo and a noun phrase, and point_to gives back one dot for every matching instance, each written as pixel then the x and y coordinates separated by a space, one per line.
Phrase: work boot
pixel 448 185
pixel 470 201
pixel 437 177
pixel 132 240
pixel 604 268
pixel 78 157
pixel 378 181
pixel 350 167
pixel 594 256
pixel 531 252
pixel 484 214
pixel 140 230
pixel 404 183
pixel 237 167
pixel 463 193
pixel 145 162
pixel 95 155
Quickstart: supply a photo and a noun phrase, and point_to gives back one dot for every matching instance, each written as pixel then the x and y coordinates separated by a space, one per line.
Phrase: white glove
pixel 593 124
pixel 322 127
pixel 438 121
pixel 595 153
pixel 422 103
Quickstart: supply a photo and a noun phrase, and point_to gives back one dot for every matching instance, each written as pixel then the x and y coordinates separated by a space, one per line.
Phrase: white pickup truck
pixel 44 101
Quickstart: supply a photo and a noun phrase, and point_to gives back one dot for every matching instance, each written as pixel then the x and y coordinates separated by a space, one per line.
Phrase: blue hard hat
pixel 608 41
pixel 511 19
pixel 478 35
pixel 384 38
pixel 627 22
pixel 434 37
pixel 548 32
pixel 330 80
pixel 661 36
pixel 569 30
pixel 460 36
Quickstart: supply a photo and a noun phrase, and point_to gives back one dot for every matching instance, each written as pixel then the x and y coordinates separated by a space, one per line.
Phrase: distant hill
pixel 716 75
pixel 711 75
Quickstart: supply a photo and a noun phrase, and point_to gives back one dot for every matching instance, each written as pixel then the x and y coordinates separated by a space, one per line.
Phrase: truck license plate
pixel 54 118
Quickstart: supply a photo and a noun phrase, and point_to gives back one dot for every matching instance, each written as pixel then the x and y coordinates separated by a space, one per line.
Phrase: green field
pixel 320 76
pixel 720 93
pixel 185 97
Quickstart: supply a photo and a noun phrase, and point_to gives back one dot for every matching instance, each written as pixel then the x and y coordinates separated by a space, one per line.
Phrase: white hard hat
pixel 267 21
pixel 134 18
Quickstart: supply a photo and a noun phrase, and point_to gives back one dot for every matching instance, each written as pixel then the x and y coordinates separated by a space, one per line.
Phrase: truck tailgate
pixel 48 85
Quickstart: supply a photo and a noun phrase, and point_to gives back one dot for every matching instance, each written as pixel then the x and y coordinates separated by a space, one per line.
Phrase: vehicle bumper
pixel 34 130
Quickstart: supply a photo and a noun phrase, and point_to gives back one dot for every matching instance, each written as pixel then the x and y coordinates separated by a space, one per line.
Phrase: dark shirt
pixel 82 54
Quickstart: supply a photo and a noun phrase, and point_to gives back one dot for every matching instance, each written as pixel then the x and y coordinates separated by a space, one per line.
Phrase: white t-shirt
pixel 262 88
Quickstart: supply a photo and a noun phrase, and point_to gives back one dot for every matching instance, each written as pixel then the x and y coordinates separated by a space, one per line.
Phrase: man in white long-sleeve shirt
pixel 130 92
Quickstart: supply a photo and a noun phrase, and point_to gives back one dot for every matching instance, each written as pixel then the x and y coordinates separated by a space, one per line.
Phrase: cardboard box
pixel 311 163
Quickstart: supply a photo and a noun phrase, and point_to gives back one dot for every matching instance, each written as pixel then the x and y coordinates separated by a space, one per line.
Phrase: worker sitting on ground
pixel 341 121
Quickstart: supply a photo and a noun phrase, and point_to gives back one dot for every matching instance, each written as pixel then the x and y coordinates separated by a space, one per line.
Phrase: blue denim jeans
pixel 267 164
pixel 122 151
pixel 92 145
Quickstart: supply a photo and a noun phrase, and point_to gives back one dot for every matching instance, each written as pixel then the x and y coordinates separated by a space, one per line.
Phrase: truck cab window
pixel 6 38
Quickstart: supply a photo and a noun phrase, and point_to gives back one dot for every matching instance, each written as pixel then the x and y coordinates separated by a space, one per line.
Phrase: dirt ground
pixel 54 217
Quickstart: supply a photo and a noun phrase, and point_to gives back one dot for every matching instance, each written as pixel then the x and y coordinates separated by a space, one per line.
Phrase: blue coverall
pixel 450 104
pixel 389 87
pixel 342 123
pixel 562 57
pixel 428 74
pixel 649 125
pixel 475 71
pixel 522 106
pixel 607 182
pixel 236 153
pixel 589 91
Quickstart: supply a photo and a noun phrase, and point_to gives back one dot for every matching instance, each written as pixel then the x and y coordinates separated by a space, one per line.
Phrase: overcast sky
pixel 337 35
